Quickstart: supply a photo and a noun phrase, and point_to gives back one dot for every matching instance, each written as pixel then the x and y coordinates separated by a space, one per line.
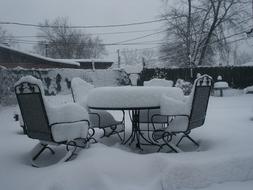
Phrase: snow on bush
pixel 158 82
pixel 184 85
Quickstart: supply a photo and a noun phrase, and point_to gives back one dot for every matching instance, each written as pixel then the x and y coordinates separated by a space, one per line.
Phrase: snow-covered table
pixel 130 97
pixel 220 86
pixel 133 99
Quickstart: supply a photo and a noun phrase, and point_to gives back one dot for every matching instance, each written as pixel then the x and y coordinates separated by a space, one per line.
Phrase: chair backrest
pixel 33 111
pixel 80 89
pixel 202 89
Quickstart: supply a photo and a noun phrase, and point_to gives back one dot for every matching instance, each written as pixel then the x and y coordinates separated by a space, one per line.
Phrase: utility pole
pixel 46 49
pixel 118 58
pixel 143 62
pixel 188 40
pixel 250 32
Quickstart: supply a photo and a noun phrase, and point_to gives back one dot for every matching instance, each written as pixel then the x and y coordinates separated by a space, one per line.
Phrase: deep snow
pixel 223 161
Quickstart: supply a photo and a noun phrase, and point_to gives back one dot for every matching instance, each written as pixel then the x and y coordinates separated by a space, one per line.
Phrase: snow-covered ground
pixel 223 161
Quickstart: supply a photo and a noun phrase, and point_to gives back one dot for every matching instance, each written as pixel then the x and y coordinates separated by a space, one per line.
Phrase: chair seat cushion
pixel 69 131
pixel 146 116
pixel 106 119
pixel 178 124
pixel 66 113
pixel 67 121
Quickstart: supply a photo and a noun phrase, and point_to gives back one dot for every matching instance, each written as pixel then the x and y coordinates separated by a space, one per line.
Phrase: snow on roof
pixel 69 62
pixel 87 60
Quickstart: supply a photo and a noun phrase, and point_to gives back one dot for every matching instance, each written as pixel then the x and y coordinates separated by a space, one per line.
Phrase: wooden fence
pixel 237 77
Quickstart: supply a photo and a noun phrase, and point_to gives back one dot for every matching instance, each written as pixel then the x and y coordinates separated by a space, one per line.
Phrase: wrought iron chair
pixel 145 116
pixel 98 118
pixel 184 116
pixel 67 124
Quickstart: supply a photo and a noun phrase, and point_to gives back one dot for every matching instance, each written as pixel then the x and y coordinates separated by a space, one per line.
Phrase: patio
pixel 224 159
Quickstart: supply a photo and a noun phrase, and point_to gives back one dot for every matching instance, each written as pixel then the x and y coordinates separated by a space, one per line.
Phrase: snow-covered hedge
pixel 57 81
pixel 184 85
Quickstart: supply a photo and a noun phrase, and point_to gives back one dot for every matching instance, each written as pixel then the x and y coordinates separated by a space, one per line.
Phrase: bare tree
pixel 198 27
pixel 6 38
pixel 59 40
pixel 135 56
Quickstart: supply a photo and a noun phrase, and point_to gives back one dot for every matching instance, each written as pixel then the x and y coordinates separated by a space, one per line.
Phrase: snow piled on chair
pixel 59 114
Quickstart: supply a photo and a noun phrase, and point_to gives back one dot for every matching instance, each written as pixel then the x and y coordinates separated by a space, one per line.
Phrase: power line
pixel 140 37
pixel 138 43
pixel 88 26
pixel 99 33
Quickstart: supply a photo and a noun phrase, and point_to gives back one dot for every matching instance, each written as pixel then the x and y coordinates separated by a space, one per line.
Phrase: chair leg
pixel 191 139
pixel 186 134
pixel 91 134
pixel 173 147
pixel 113 132
pixel 73 147
pixel 41 147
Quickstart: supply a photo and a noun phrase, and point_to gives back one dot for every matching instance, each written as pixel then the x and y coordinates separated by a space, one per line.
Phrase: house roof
pixel 69 62
pixel 88 60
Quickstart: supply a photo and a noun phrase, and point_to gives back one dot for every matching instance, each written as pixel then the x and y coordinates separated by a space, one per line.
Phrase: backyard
pixel 224 159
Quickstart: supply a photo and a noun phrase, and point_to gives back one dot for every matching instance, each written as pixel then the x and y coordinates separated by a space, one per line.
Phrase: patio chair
pixel 146 115
pixel 66 124
pixel 98 118
pixel 184 115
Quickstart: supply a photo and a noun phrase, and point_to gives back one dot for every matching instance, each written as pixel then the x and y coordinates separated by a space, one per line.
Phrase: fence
pixel 237 77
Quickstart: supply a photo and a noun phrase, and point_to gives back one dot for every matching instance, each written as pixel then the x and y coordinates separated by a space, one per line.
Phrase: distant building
pixel 12 58
pixel 91 63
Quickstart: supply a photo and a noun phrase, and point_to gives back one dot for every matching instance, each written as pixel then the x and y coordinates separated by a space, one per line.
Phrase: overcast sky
pixel 85 12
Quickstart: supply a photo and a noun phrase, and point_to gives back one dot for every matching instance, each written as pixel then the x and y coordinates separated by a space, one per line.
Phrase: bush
pixel 184 85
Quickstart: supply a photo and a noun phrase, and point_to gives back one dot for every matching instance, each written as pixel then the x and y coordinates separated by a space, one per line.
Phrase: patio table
pixel 133 99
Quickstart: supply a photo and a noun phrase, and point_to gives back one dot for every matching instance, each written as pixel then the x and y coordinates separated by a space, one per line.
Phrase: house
pixel 12 58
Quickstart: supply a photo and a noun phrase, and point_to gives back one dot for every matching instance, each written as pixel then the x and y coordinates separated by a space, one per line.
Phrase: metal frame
pixel 136 133
pixel 27 88
pixel 191 123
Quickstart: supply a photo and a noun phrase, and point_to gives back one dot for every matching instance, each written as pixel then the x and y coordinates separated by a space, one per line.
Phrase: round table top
pixel 130 97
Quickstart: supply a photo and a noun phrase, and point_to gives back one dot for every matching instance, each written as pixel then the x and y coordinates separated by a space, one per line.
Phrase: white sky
pixel 85 12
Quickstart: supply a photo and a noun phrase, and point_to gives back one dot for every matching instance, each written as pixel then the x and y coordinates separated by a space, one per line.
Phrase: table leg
pixel 136 131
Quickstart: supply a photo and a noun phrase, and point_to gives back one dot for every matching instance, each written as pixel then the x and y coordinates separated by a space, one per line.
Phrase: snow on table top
pixel 131 97
pixel 221 84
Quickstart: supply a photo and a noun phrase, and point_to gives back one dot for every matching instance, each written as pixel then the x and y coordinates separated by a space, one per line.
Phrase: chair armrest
pixel 69 122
